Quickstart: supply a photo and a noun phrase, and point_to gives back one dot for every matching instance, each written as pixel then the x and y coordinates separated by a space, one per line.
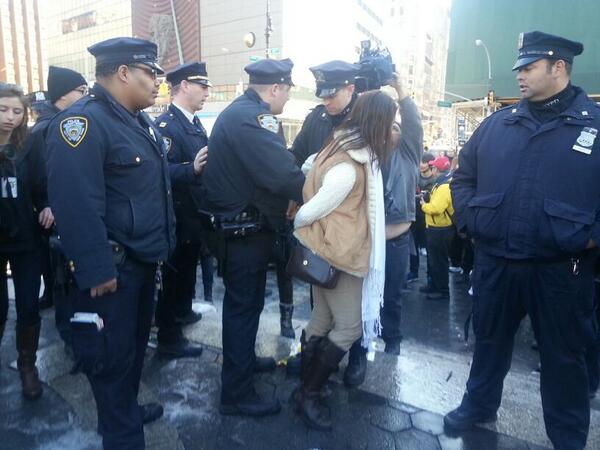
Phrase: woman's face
pixel 11 114
pixel 395 134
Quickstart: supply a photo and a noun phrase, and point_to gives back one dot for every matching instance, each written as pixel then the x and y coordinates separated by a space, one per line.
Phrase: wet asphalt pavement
pixel 400 405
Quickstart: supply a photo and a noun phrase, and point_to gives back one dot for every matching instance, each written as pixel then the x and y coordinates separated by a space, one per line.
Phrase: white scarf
pixel 374 282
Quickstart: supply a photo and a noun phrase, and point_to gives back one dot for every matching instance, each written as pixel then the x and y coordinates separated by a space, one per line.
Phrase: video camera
pixel 376 68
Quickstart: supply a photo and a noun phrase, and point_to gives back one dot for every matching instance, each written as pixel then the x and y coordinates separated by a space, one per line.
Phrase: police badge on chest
pixel 585 141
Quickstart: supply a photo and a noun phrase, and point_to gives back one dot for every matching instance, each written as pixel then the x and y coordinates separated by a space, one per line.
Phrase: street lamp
pixel 480 43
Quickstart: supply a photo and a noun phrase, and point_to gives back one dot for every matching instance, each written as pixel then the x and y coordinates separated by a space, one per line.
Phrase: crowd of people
pixel 116 211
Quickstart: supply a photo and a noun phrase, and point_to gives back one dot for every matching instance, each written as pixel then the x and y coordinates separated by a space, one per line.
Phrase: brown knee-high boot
pixel 314 413
pixel 27 344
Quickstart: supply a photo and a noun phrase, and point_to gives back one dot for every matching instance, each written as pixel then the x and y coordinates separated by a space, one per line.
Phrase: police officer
pixel 108 182
pixel 65 87
pixel 536 228
pixel 335 86
pixel 185 140
pixel 250 176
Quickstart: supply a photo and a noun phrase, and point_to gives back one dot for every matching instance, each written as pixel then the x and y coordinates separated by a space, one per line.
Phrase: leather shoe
pixel 253 406
pixel 426 289
pixel 392 347
pixel 264 364
pixel 438 296
pixel 294 365
pixel 356 370
pixel 180 349
pixel 463 418
pixel 46 301
pixel 189 318
pixel 151 412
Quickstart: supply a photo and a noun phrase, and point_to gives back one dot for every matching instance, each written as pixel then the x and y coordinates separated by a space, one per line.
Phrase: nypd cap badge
pixel 269 122
pixel 73 130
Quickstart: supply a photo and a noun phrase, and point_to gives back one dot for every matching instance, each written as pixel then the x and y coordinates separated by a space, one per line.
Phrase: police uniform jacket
pixel 317 127
pixel 529 190
pixel 183 140
pixel 108 178
pixel 248 162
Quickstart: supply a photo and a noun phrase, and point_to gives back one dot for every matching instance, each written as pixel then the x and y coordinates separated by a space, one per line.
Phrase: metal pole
pixel 268 29
pixel 179 50
pixel 487 53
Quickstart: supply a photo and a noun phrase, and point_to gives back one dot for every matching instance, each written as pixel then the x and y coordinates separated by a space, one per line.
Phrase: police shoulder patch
pixel 268 122
pixel 167 142
pixel 73 130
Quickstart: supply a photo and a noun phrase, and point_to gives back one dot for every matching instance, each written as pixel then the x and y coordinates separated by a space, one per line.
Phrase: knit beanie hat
pixel 61 81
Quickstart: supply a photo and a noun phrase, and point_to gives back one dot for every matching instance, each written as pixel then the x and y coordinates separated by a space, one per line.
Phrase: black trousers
pixel 285 284
pixel 26 270
pixel 179 288
pixel 439 241
pixel 559 301
pixel 112 359
pixel 244 277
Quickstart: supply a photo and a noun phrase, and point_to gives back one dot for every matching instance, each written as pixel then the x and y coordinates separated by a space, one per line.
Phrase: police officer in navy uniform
pixel 186 142
pixel 250 173
pixel 335 86
pixel 65 87
pixel 536 228
pixel 109 187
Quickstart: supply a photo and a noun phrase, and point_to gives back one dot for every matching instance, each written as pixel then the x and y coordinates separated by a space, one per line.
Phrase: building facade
pixel 418 34
pixel 21 59
pixel 498 25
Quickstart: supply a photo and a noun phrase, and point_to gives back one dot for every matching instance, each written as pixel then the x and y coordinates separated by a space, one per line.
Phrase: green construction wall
pixel 498 24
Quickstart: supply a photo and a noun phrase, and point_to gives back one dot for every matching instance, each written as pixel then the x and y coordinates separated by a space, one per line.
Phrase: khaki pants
pixel 337 312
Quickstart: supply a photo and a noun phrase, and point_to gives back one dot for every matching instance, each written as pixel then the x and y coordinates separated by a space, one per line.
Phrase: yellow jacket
pixel 439 210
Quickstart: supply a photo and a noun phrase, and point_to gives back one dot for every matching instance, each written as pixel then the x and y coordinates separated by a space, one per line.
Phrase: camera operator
pixel 400 183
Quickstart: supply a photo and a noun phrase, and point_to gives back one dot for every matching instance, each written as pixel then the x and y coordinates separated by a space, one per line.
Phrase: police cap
pixel 536 45
pixel 333 75
pixel 194 72
pixel 126 50
pixel 270 71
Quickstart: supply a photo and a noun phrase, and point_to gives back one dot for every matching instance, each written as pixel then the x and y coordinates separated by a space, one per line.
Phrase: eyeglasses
pixel 152 73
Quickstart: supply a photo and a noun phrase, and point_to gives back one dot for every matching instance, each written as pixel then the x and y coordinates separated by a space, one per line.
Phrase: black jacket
pixel 317 127
pixel 108 178
pixel 19 229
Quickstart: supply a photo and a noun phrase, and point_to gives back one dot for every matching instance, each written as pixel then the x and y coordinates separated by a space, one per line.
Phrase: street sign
pixel 274 51
pixel 255 58
pixel 444 104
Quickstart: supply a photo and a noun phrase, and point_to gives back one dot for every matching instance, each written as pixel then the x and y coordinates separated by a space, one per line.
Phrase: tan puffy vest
pixel 342 237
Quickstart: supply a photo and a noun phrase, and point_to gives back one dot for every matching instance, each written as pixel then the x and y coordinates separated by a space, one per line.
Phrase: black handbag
pixel 306 265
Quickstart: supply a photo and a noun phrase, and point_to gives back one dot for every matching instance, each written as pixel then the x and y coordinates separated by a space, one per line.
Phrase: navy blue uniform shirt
pixel 248 162
pixel 183 139
pixel 529 190
pixel 108 178
pixel 317 127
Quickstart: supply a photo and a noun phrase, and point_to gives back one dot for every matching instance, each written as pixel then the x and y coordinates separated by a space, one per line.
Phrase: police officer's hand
pixel 397 85
pixel 46 218
pixel 104 288
pixel 591 244
pixel 200 160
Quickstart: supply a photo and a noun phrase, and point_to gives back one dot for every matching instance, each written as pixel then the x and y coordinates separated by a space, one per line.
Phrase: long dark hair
pixel 19 134
pixel 369 124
